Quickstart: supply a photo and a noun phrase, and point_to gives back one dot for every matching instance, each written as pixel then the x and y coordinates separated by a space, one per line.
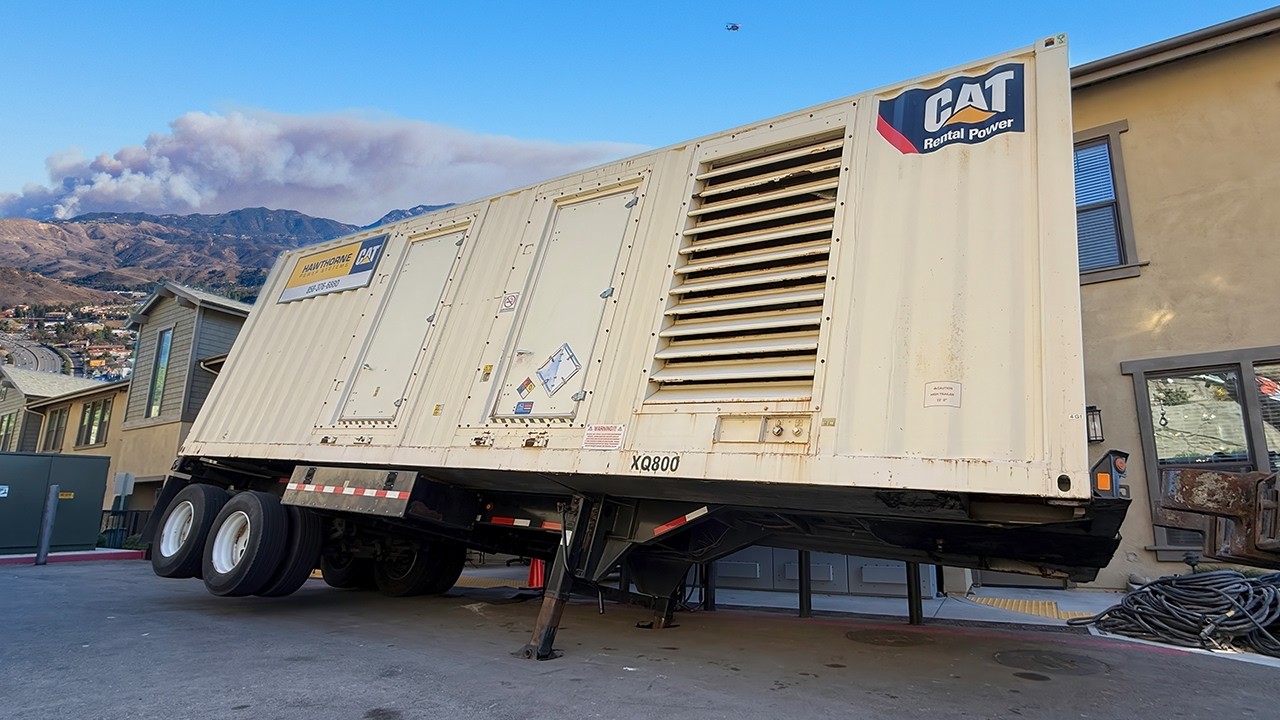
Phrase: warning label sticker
pixel 942 394
pixel 558 368
pixel 603 437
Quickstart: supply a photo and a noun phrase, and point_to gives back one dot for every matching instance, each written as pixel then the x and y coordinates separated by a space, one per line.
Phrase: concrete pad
pixel 326 653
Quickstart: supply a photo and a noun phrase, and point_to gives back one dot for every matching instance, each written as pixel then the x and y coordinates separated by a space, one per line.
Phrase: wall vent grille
pixel 746 304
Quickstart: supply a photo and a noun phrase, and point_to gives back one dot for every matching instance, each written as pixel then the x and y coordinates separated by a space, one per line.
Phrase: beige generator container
pixel 879 292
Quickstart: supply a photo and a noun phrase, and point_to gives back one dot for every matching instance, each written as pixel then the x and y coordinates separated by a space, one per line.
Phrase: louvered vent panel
pixel 746 303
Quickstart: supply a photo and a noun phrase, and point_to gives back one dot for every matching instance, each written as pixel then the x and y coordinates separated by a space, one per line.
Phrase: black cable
pixel 1218 609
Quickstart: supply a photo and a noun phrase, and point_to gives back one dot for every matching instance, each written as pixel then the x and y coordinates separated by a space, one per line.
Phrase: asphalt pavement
pixel 110 640
pixel 31 355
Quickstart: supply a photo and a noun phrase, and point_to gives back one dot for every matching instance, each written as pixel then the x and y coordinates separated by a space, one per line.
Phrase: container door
pixel 546 366
pixel 402 331
pixel 24 484
pixel 81 481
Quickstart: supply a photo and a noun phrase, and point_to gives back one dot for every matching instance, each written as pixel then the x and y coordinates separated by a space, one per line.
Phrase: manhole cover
pixel 890 638
pixel 1050 661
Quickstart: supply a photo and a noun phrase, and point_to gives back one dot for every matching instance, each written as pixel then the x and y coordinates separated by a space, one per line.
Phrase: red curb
pixel 29 559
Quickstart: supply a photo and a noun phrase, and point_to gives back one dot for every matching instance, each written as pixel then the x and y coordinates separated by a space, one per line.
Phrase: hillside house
pixel 19 424
pixel 177 327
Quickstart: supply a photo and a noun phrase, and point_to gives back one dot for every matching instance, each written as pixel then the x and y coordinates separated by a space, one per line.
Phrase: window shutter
pixel 1094 183
pixel 1098 238
pixel 1097 226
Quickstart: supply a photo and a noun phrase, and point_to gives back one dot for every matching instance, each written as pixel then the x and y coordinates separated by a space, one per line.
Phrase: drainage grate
pixel 746 302
pixel 1050 661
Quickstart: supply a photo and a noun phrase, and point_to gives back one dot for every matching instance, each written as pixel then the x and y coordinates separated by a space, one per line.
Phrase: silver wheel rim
pixel 230 542
pixel 177 527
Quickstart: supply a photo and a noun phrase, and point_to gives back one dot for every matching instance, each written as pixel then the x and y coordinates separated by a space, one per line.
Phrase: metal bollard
pixel 46 525
pixel 915 599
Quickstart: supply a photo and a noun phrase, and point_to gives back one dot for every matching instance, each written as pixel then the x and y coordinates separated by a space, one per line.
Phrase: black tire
pixel 201 503
pixel 258 521
pixel 346 572
pixel 451 558
pixel 301 554
pixel 432 568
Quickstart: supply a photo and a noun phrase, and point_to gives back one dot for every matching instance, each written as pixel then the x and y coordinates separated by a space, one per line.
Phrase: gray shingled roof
pixel 197 297
pixel 35 384
pixel 201 297
pixel 97 387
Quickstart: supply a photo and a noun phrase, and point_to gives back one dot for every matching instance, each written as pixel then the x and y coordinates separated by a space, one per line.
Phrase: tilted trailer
pixel 853 328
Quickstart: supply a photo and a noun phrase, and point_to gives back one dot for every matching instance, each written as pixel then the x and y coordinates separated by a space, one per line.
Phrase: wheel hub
pixel 177 527
pixel 231 542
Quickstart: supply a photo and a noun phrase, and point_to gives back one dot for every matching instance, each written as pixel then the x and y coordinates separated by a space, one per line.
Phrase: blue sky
pixel 197 106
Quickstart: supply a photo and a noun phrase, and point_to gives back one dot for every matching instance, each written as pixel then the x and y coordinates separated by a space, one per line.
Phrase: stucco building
pixel 1178 174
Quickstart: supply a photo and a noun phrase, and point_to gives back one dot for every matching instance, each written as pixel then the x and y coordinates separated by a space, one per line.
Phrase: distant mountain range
pixel 230 253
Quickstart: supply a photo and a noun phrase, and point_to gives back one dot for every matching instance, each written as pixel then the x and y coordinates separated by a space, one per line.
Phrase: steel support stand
pixel 624 578
pixel 46 525
pixel 558 587
pixel 806 584
pixel 709 586
pixel 915 602
pixel 664 612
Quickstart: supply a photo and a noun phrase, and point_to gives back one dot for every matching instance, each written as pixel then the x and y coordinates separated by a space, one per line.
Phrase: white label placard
pixel 942 394
pixel 603 437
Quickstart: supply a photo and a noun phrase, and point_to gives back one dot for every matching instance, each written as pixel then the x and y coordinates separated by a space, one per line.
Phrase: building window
pixel 94 419
pixel 8 431
pixel 1214 411
pixel 1104 230
pixel 158 372
pixel 55 425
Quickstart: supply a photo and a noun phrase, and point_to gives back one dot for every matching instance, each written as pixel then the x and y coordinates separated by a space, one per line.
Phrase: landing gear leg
pixel 559 585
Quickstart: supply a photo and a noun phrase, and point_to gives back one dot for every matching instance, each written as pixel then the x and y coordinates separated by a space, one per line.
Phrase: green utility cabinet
pixel 24 484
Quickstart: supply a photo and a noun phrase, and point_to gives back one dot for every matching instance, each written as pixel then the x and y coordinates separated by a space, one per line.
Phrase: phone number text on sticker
pixel 655 463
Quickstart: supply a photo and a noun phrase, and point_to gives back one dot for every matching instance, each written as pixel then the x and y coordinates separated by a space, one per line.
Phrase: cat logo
pixel 345 267
pixel 963 110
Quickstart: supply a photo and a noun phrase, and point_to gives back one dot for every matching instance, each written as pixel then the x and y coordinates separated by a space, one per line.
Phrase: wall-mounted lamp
pixel 1093 421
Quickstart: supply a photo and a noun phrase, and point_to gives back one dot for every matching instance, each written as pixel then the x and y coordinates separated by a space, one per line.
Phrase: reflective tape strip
pixel 339 490
pixel 681 520
pixel 522 522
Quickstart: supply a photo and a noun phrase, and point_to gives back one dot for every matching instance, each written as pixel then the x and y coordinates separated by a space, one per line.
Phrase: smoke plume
pixel 343 167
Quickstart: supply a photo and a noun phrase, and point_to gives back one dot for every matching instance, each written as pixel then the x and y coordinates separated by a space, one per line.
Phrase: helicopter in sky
pixel 732 27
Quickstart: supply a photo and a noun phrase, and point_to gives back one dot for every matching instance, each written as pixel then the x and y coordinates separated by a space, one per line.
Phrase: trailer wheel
pixel 181 533
pixel 245 545
pixel 301 554
pixel 347 572
pixel 451 559
pixel 427 569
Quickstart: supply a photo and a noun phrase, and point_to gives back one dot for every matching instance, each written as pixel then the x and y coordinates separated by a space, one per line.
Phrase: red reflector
pixel 670 526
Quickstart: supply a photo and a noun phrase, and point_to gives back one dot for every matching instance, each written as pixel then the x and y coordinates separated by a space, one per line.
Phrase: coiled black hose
pixel 1214 610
